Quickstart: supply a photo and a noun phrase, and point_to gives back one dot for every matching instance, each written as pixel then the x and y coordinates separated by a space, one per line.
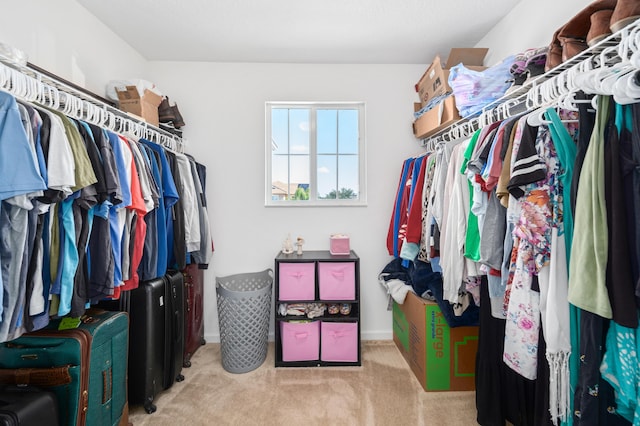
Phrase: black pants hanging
pixel 501 393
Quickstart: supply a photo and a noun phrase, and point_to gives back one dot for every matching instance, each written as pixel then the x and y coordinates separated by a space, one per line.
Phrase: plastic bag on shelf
pixel 140 84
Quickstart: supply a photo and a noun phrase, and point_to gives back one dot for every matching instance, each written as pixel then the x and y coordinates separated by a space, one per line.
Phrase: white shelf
pixel 516 101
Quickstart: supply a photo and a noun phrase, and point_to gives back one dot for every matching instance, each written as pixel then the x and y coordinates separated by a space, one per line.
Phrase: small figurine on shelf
pixel 299 243
pixel 287 246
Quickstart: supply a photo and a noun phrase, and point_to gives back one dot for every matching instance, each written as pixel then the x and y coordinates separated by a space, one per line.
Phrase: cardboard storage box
pixel 442 358
pixel 146 107
pixel 436 118
pixel 434 82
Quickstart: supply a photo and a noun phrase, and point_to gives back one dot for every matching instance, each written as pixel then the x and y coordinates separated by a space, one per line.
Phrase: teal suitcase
pixel 86 367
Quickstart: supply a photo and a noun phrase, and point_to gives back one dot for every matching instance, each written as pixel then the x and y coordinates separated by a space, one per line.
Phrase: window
pixel 315 154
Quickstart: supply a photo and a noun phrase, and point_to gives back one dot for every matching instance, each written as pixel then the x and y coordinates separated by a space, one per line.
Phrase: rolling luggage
pixel 146 307
pixel 27 406
pixel 194 314
pixel 156 336
pixel 174 327
pixel 85 366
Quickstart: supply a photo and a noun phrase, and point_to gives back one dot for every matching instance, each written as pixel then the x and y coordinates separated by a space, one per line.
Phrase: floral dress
pixel 540 208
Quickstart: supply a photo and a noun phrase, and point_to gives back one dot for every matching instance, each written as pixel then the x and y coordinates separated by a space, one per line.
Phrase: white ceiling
pixel 299 31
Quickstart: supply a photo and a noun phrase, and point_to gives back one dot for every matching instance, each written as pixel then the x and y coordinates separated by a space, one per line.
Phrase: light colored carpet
pixel 383 391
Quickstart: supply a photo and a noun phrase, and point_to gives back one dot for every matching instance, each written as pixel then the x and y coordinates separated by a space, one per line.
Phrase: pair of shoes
pixel 626 12
pixel 590 25
pixel 178 121
pixel 168 113
pixel 586 28
pixel 165 112
pixel 554 54
pixel 607 21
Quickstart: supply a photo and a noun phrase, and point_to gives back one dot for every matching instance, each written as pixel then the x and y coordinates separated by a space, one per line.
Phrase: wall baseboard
pixel 375 335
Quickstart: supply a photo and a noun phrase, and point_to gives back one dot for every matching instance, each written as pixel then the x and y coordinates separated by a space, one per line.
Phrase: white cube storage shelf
pixel 318 277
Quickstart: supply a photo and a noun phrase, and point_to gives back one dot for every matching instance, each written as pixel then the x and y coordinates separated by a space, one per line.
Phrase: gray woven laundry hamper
pixel 244 308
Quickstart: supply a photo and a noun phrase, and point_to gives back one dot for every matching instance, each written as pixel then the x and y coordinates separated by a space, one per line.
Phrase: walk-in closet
pixel 341 212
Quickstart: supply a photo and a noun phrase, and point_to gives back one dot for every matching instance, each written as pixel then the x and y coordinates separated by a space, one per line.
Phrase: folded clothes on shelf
pixel 310 310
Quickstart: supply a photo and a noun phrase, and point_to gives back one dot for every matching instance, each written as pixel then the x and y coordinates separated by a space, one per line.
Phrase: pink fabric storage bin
pixel 339 341
pixel 337 280
pixel 297 281
pixel 339 245
pixel 300 340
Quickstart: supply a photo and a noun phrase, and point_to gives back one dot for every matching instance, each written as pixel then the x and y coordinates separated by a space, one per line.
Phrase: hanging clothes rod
pixel 31 85
pixel 546 89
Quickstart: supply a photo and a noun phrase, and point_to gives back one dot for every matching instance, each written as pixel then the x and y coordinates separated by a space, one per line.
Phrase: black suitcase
pixel 156 336
pixel 26 406
pixel 174 330
pixel 147 314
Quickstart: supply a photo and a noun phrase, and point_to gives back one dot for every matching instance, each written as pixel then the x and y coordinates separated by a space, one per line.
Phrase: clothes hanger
pixel 88 113
pixel 535 117
pixel 52 99
pixel 569 101
pixel 625 89
pixel 31 89
pixel 533 99
pixel 41 96
pixel 4 78
pixel 456 132
pixel 609 63
pixel 18 83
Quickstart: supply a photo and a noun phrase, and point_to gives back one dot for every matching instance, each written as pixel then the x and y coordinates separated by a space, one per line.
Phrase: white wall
pixel 224 109
pixel 63 38
pixel 529 24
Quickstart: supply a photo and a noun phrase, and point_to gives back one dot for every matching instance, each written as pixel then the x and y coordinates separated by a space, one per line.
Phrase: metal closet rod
pixel 32 85
pixel 520 99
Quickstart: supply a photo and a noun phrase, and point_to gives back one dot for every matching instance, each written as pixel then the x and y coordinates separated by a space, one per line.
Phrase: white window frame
pixel 313 201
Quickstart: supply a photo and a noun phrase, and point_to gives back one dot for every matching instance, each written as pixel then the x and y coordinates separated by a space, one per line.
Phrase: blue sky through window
pixel 337 144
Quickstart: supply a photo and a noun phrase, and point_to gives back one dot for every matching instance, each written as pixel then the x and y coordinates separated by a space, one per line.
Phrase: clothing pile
pixel 475 90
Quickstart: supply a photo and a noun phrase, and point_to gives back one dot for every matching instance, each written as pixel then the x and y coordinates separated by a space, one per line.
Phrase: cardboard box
pixel 434 82
pixel 145 107
pixel 442 358
pixel 436 118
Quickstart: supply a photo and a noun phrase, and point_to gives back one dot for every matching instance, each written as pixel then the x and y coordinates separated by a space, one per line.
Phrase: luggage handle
pixel 45 377
pixel 303 335
pixel 176 321
pixel 34 345
pixel 107 385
